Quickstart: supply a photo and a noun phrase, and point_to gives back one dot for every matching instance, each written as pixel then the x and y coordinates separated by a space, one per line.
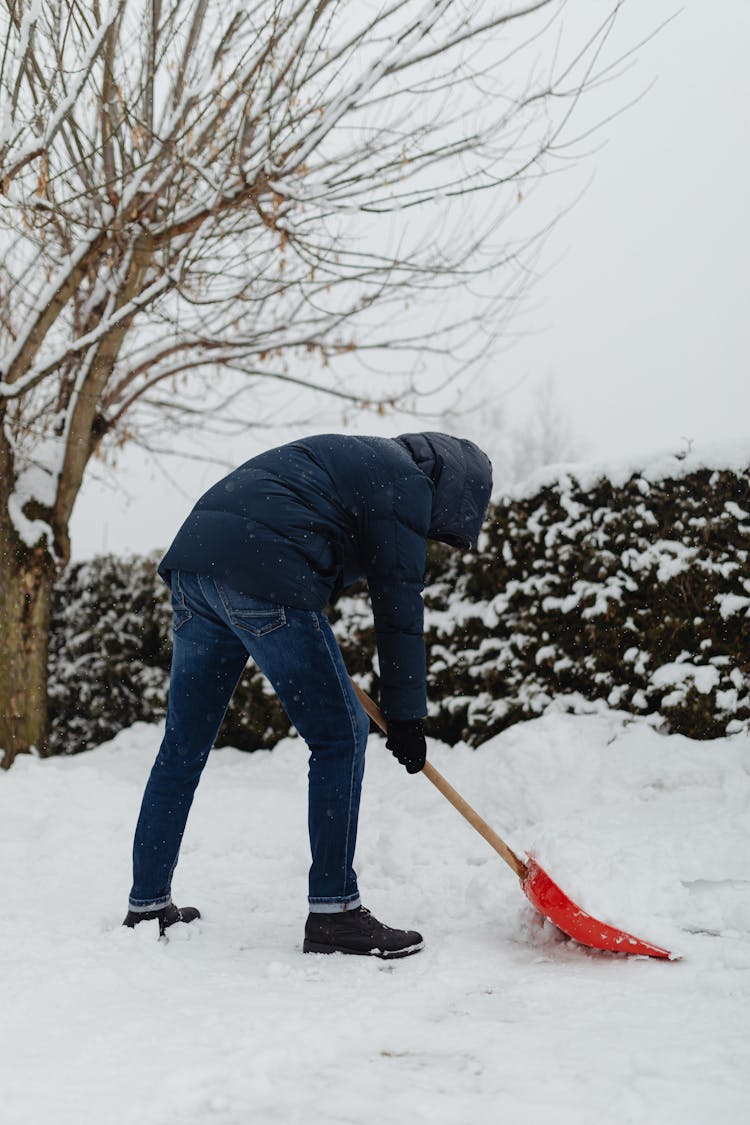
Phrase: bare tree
pixel 195 196
pixel 543 436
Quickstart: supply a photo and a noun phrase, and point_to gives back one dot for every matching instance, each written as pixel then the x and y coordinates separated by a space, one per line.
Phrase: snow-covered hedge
pixel 636 593
pixel 631 588
pixel 109 660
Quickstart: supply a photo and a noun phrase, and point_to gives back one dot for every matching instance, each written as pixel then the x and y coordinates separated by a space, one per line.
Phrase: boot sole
pixel 384 954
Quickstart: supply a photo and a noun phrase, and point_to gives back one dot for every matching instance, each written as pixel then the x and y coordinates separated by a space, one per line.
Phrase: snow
pixel 36 480
pixel 731 604
pixel 724 456
pixel 704 678
pixel 499 1018
pixel 736 511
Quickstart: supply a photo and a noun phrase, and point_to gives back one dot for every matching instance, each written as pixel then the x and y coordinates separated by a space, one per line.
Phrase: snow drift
pixel 499 1018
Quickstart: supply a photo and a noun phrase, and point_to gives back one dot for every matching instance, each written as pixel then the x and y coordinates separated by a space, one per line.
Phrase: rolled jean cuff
pixel 141 906
pixel 333 905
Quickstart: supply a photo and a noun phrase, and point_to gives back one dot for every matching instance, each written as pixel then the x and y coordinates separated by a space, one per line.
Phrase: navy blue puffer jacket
pixel 300 522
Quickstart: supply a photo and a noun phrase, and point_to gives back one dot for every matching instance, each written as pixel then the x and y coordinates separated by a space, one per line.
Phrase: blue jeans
pixel 214 630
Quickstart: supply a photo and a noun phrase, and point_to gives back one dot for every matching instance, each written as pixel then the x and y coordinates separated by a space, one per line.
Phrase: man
pixel 251 571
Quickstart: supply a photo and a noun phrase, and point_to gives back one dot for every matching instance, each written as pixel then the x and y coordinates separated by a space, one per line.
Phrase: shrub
pixel 109 661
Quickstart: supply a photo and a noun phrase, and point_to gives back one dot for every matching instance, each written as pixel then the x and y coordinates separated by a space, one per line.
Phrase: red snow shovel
pixel 541 891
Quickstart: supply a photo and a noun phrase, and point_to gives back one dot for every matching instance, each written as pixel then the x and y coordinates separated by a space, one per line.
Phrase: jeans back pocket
pixel 252 614
pixel 181 611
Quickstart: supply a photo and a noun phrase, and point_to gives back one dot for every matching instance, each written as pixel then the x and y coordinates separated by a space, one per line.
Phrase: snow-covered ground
pixel 499 1019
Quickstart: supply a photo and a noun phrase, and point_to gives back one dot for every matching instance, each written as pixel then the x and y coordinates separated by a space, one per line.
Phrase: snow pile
pixel 500 1018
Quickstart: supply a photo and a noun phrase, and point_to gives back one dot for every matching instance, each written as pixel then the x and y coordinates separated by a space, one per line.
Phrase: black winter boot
pixel 356 931
pixel 167 916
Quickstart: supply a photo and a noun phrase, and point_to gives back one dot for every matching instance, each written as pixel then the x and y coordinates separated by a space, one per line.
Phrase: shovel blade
pixel 554 904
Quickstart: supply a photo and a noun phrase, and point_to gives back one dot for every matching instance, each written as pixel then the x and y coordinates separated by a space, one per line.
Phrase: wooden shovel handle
pixel 475 820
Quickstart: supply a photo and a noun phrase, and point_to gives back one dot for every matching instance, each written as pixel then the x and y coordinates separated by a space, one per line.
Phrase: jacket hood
pixel 462 475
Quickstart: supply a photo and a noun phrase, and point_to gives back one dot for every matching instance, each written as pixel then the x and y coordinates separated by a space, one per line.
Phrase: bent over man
pixel 251 571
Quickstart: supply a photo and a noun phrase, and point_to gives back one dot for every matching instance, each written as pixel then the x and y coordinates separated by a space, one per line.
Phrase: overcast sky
pixel 644 323
pixel 640 318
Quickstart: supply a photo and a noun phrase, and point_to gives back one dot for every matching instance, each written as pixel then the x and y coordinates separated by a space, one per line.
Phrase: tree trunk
pixel 26 580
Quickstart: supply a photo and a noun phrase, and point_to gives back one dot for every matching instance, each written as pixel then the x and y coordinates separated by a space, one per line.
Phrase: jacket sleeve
pixel 395 545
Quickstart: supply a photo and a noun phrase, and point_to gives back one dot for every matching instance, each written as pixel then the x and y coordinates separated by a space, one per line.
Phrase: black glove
pixel 406 742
